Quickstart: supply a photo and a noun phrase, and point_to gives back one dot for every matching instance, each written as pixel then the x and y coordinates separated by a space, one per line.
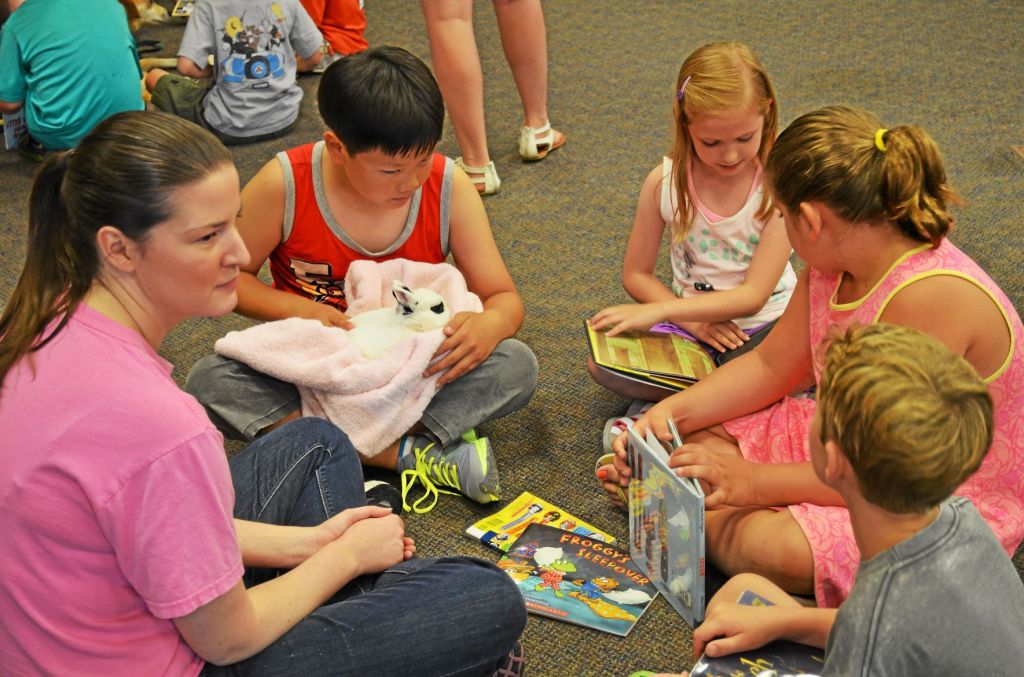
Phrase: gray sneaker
pixel 467 466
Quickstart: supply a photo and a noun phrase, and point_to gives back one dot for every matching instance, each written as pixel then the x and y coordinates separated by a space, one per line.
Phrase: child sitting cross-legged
pixel 375 190
pixel 901 422
pixel 237 66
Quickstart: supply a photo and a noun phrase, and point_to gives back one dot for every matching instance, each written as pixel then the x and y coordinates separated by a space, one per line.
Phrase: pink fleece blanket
pixel 373 401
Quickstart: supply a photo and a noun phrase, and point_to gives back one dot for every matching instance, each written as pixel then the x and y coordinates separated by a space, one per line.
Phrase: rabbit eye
pixel 439 308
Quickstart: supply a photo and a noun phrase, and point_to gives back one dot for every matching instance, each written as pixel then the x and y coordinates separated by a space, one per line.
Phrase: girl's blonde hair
pixel 720 77
pixel 914 419
pixel 843 157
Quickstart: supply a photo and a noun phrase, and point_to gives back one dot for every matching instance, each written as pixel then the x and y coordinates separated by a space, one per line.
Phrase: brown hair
pixel 122 174
pixel 720 77
pixel 831 155
pixel 914 419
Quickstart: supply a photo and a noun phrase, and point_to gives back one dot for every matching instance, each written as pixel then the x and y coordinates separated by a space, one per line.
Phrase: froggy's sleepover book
pixel 775 658
pixel 578 579
pixel 500 529
pixel 666 524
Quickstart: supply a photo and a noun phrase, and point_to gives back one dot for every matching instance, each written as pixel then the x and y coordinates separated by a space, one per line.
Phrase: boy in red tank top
pixel 374 189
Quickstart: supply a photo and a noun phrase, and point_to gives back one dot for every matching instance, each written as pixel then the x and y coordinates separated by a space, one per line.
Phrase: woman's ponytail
pixel 57 269
pixel 123 175
pixel 913 185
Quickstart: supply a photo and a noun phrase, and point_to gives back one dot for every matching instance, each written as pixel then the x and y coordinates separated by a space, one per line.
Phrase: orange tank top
pixel 315 251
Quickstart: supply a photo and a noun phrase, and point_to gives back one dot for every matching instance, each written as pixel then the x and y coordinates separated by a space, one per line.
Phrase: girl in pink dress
pixel 866 209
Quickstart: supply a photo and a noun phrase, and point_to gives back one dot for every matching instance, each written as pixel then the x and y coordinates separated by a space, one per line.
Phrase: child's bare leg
pixel 625 387
pixel 153 76
pixel 738 584
pixel 761 541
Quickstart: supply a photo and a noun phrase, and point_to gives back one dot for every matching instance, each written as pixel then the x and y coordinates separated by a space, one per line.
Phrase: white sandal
pixel 536 142
pixel 484 178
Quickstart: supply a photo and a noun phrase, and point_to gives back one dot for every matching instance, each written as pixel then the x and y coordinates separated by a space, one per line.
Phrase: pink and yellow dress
pixel 778 434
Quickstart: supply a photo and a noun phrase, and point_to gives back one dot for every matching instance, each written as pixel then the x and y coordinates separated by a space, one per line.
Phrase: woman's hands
pixel 371 535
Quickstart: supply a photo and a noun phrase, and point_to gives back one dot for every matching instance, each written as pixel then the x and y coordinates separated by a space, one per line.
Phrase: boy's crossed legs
pixel 244 403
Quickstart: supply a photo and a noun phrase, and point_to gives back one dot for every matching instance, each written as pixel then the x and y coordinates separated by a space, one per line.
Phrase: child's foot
pixel 616 425
pixel 383 494
pixel 609 479
pixel 512 665
pixel 467 466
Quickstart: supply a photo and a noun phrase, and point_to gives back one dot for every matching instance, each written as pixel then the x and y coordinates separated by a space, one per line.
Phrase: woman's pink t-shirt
pixel 116 504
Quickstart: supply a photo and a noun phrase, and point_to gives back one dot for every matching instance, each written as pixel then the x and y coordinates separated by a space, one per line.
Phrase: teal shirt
pixel 72 63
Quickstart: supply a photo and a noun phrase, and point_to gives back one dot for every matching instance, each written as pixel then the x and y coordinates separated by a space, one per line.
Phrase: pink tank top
pixel 997 488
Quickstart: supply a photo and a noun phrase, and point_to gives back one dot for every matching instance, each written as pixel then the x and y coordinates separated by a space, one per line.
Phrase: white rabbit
pixel 418 310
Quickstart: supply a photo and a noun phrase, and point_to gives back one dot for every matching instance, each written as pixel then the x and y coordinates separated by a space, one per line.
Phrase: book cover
pixel 776 658
pixel 15 129
pixel 500 529
pixel 666 525
pixel 183 8
pixel 662 358
pixel 578 579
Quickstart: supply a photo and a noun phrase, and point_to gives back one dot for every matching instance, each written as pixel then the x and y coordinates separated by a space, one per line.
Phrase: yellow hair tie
pixel 879 141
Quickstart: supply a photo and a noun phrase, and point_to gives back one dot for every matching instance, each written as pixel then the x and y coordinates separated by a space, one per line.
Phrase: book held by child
pixel 578 579
pixel 501 529
pixel 780 657
pixel 666 524
pixel 662 358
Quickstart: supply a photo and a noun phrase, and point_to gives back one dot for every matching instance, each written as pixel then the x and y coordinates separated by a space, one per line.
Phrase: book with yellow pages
pixel 661 358
pixel 500 529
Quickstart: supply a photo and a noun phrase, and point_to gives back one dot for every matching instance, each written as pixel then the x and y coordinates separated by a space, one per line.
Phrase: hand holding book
pixel 627 317
pixel 727 479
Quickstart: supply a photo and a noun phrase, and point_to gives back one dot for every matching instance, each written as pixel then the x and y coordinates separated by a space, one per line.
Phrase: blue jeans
pixel 448 616
pixel 242 401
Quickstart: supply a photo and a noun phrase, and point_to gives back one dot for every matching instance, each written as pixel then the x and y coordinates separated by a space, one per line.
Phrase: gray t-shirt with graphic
pixel 253 43
pixel 947 601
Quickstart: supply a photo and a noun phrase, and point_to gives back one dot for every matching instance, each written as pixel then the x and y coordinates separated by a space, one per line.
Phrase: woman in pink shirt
pixel 131 545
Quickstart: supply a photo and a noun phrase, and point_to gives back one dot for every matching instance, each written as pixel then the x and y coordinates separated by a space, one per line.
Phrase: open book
pixel 666 524
pixel 664 359
pixel 183 8
pixel 780 657
pixel 500 529
pixel 581 580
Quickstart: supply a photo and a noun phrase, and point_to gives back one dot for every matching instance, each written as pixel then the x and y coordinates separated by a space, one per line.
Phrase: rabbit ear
pixel 402 294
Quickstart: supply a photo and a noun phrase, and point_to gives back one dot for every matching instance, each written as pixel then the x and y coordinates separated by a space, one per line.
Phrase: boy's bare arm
pixel 472 337
pixel 261 224
pixel 476 255
pixel 304 64
pixel 189 68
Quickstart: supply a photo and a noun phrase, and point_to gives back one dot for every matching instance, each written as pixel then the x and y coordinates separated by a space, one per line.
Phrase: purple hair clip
pixel 682 90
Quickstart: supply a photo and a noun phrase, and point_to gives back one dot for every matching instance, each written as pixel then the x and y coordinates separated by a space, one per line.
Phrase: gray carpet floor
pixel 562 224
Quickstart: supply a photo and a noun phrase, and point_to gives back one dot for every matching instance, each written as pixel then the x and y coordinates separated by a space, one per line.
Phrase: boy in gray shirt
pixel 901 422
pixel 257 47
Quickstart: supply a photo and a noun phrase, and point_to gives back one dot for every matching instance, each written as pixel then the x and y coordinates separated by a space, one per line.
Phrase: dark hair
pixel 831 155
pixel 122 174
pixel 382 99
